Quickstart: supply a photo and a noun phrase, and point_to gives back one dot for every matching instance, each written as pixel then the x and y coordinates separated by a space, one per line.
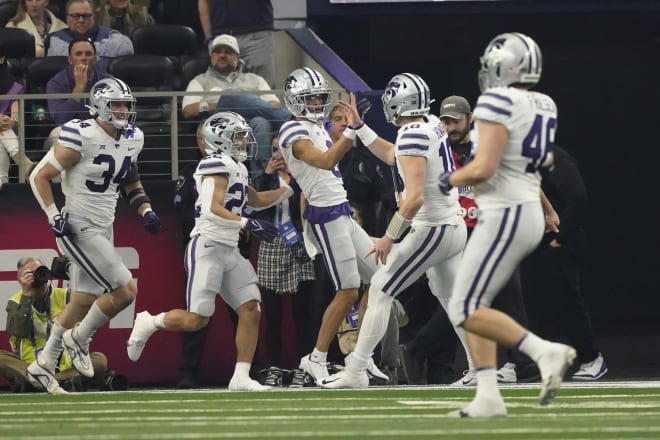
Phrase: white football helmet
pixel 228 133
pixel 511 58
pixel 406 94
pixel 306 94
pixel 109 90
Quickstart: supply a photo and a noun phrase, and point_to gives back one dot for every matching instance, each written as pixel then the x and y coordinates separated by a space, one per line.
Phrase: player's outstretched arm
pixel 260 200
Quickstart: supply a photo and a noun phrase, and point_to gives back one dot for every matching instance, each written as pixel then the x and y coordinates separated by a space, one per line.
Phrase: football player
pixel 312 160
pixel 95 157
pixel 213 261
pixel 428 227
pixel 514 129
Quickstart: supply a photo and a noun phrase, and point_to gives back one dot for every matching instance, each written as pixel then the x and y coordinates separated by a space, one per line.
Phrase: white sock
pixel 372 329
pixel 319 356
pixel 159 320
pixel 242 369
pixel 53 348
pixel 532 345
pixel 487 383
pixel 93 320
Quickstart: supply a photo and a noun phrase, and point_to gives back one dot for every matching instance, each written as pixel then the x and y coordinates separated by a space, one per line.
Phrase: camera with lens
pixel 41 274
pixel 60 267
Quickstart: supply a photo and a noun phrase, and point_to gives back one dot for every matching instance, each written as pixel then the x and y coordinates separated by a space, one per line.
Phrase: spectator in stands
pixel 8 120
pixel 30 317
pixel 34 17
pixel 251 22
pixel 80 21
pixel 79 77
pixel 227 72
pixel 122 15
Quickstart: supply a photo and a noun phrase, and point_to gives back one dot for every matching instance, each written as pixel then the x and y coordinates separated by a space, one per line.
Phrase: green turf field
pixel 607 410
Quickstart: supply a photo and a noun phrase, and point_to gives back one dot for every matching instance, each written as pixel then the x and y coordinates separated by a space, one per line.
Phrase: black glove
pixel 151 222
pixel 443 183
pixel 61 227
pixel 262 229
pixel 300 253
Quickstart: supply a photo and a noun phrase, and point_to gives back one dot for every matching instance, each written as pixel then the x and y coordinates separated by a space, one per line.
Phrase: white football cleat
pixel 482 408
pixel 142 328
pixel 345 379
pixel 43 379
pixel 318 370
pixel 553 362
pixel 79 352
pixel 246 384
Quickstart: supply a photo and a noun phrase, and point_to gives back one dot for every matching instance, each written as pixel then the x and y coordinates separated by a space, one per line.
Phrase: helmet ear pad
pixel 303 84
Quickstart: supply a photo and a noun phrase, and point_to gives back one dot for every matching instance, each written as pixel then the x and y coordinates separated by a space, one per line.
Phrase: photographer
pixel 30 315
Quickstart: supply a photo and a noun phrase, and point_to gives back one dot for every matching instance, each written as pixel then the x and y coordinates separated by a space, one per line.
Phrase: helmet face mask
pixel 406 94
pixel 306 94
pixel 511 58
pixel 228 133
pixel 107 92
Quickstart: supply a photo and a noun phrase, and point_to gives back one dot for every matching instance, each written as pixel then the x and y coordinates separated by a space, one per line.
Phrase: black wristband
pixel 140 201
pixel 134 193
pixel 357 126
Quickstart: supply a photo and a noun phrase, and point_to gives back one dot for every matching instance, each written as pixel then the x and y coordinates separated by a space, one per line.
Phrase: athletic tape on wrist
pixel 51 211
pixel 397 226
pixel 349 133
pixel 366 135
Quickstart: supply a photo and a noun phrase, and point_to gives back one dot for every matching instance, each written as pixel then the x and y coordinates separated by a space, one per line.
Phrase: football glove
pixel 262 229
pixel 61 227
pixel 443 183
pixel 151 222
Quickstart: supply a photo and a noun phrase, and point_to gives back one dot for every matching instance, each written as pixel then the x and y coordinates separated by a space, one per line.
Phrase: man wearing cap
pixel 251 22
pixel 227 72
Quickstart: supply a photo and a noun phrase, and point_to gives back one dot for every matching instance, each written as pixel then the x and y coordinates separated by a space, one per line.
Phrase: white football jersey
pixel 531 120
pixel 91 186
pixel 207 223
pixel 321 187
pixel 429 140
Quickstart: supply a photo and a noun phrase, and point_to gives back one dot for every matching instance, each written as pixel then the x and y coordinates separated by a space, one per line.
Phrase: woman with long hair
pixel 122 15
pixel 34 17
